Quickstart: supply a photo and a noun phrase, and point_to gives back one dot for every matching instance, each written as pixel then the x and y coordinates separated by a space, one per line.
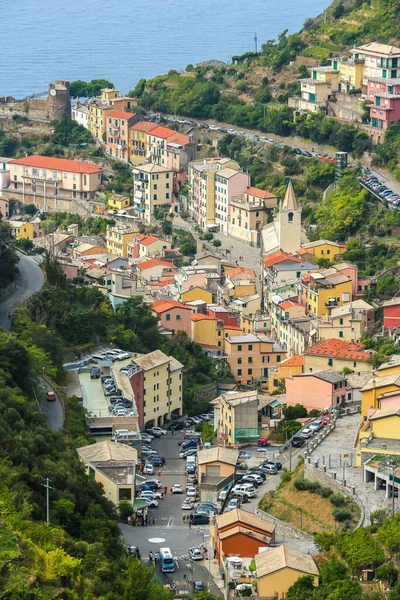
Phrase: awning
pixel 139 504
pixel 275 403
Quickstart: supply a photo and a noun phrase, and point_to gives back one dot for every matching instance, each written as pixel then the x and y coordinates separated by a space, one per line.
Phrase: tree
pixel 332 570
pixel 294 412
pixel 125 509
pixel 302 589
pixel 92 88
pixel 389 534
pixel 166 227
pixel 139 583
pixel 8 256
pixel 387 286
pixel 53 269
pixel 187 247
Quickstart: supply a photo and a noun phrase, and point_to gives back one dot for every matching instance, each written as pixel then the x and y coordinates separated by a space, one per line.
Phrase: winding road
pixel 30 280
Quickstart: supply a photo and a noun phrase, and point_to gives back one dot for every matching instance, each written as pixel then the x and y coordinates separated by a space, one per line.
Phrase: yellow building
pixel 113 466
pixel 117 238
pixel 248 214
pixel 196 293
pixel 350 73
pixel 315 90
pixel 237 414
pixel 255 323
pixel 118 202
pixel 162 387
pixel 376 387
pixel 325 249
pixel 389 368
pixel 287 368
pixel 206 331
pixel 153 187
pixel 323 290
pixel 22 230
pixel 348 322
pixel 139 148
pixel 280 567
pixel 337 355
pixel 100 108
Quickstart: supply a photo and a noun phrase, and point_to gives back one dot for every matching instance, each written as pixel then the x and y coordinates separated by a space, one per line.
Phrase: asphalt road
pixel 169 529
pixel 30 280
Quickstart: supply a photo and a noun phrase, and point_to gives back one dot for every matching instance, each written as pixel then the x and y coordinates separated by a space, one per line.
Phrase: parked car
pixel 222 495
pixel 191 478
pixel 297 441
pixel 191 492
pixel 151 502
pixel 232 504
pixel 195 553
pixel 95 373
pixel 249 477
pixel 121 403
pixel 188 504
pixel 148 469
pixel 274 463
pixel 175 426
pixel 156 483
pixel 51 397
pixel 199 519
pixel 150 494
pixel 269 469
pixel 317 424
pixel 208 507
pixel 177 489
pixel 244 497
pixel 306 433
pixel 246 488
pixel 186 453
pixel 159 430
pixel 257 472
pixel 145 437
pixel 263 442
pixel 157 461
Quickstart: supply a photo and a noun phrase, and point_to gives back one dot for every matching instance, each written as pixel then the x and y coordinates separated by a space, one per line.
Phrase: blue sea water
pixel 125 40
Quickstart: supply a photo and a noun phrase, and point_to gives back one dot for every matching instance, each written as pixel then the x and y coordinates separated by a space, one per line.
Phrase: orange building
pixel 216 462
pixel 173 315
pixel 251 356
pixel 240 531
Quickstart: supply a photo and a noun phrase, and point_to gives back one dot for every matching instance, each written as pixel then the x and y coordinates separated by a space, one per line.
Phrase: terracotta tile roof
pixel 289 303
pixel 150 239
pixel 253 191
pixel 278 257
pixel 56 164
pixel 179 138
pixel 340 349
pixel 161 306
pixel 295 361
pixel 162 132
pixel 120 114
pixel 238 270
pixel 154 262
pixel 201 317
pixel 145 126
pixel 233 327
pixel 242 516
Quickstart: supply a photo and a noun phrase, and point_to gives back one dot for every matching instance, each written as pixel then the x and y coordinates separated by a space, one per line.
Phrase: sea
pixel 126 40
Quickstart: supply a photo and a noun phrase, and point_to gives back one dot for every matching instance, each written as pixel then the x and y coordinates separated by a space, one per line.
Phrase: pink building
pixel 172 150
pixel 229 183
pixel 173 315
pixel 320 390
pixel 118 123
pixel 350 271
pixel 385 108
pixel 4 209
pixel 187 278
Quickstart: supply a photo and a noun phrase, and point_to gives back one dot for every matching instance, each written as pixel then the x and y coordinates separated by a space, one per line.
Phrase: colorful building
pixel 351 72
pixel 348 322
pixel 321 290
pixel 101 107
pixel 153 187
pixel 336 354
pixel 391 313
pixel 228 184
pixel 46 181
pixel 117 134
pixel 251 356
pixel 237 417
pixel 325 249
pixel 316 89
pixel 320 390
pixel 383 96
pixel 376 389
pixel 380 60
pixel 148 246
pixel 118 202
pixel 154 267
pixel 248 214
pixel 196 293
pixel 22 230
pixel 277 569
pixel 117 238
pixel 173 315
pixel 138 141
pixel 287 368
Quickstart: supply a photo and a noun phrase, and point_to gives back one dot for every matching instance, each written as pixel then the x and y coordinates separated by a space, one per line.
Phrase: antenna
pixel 255 42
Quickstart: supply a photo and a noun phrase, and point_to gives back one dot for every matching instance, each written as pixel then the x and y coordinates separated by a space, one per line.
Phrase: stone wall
pixel 346 108
pixel 207 393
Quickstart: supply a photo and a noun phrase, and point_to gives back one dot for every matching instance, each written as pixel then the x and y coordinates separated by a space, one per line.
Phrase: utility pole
pixel 255 42
pixel 48 488
pixel 290 457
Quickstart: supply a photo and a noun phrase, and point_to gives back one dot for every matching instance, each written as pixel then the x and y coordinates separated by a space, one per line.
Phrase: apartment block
pixel 348 322
pixel 47 182
pixel 101 107
pixel 380 60
pixel 324 289
pixel 117 134
pixel 117 238
pixel 316 89
pixel 351 72
pixel 251 356
pixel 153 187
pixel 384 98
pixel 248 214
pixel 138 141
pixel 228 184
pixel 238 417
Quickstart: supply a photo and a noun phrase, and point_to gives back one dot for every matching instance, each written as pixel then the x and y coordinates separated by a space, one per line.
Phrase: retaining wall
pixel 283 529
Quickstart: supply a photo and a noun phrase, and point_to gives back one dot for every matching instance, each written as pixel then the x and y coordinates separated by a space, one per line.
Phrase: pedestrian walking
pixel 190 522
pixel 198 528
pixel 183 517
pixel 156 557
pixel 165 490
pixel 150 557
pixel 172 432
pixel 153 521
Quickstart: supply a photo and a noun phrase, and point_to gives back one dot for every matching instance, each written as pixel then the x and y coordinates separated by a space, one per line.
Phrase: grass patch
pixel 288 504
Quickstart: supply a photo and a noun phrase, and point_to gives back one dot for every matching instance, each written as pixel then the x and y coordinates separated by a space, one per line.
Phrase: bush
pixel 325 492
pixel 286 475
pixel 300 484
pixel 217 243
pixel 342 514
pixel 338 499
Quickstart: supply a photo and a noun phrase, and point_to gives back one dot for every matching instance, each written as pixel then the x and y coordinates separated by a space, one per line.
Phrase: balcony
pixel 332 303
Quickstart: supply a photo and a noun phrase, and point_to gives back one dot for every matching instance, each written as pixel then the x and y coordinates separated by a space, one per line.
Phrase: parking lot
pixel 383 190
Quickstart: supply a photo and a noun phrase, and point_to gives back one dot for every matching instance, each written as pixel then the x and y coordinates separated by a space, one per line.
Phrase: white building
pixel 80 114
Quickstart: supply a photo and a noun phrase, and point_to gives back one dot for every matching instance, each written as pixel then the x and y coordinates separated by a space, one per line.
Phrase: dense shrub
pixel 338 499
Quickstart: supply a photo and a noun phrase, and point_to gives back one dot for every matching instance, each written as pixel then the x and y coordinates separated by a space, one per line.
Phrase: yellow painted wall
pixel 156 392
pixel 196 294
pixel 322 362
pixel 205 332
pixel 243 290
pixel 280 582
pixel 282 373
pixel 326 250
pixel 369 397
pixel 322 296
pixel 22 230
pixel 394 370
pixel 117 241
pixel 351 74
pixel 342 331
pixel 387 427
pixel 119 203
pixel 154 249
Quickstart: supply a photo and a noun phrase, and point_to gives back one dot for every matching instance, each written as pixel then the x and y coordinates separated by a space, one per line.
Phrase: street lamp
pixel 300 510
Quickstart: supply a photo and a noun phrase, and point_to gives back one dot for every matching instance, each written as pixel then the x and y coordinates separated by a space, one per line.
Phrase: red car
pixel 263 442
pixel 325 419
pixel 51 397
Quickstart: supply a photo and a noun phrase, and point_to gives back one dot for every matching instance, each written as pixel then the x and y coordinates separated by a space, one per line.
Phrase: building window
pixel 239 372
pixel 330 362
pixel 290 217
pixel 250 347
pixel 239 361
pixel 265 359
pixel 239 348
pixel 178 317
pixel 168 317
pixel 340 334
pixel 250 371
pixel 340 321
pixel 278 358
pixel 250 359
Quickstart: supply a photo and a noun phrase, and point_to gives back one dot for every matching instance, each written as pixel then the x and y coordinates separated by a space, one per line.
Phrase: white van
pixel 191 460
pixel 125 436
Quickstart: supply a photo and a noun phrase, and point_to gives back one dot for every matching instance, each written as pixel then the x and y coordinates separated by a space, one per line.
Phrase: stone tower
pixel 59 101
pixel 289 222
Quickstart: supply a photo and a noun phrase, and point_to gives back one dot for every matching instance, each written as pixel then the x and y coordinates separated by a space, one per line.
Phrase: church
pixel 286 232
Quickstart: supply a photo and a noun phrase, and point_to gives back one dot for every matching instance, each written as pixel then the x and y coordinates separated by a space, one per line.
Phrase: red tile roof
pixel 238 270
pixel 233 327
pixel 253 191
pixel 340 349
pixel 295 361
pixel 161 306
pixel 289 303
pixel 154 262
pixel 56 164
pixel 145 126
pixel 201 317
pixel 120 114
pixel 279 256
pixel 150 239
pixel 179 138
pixel 162 132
